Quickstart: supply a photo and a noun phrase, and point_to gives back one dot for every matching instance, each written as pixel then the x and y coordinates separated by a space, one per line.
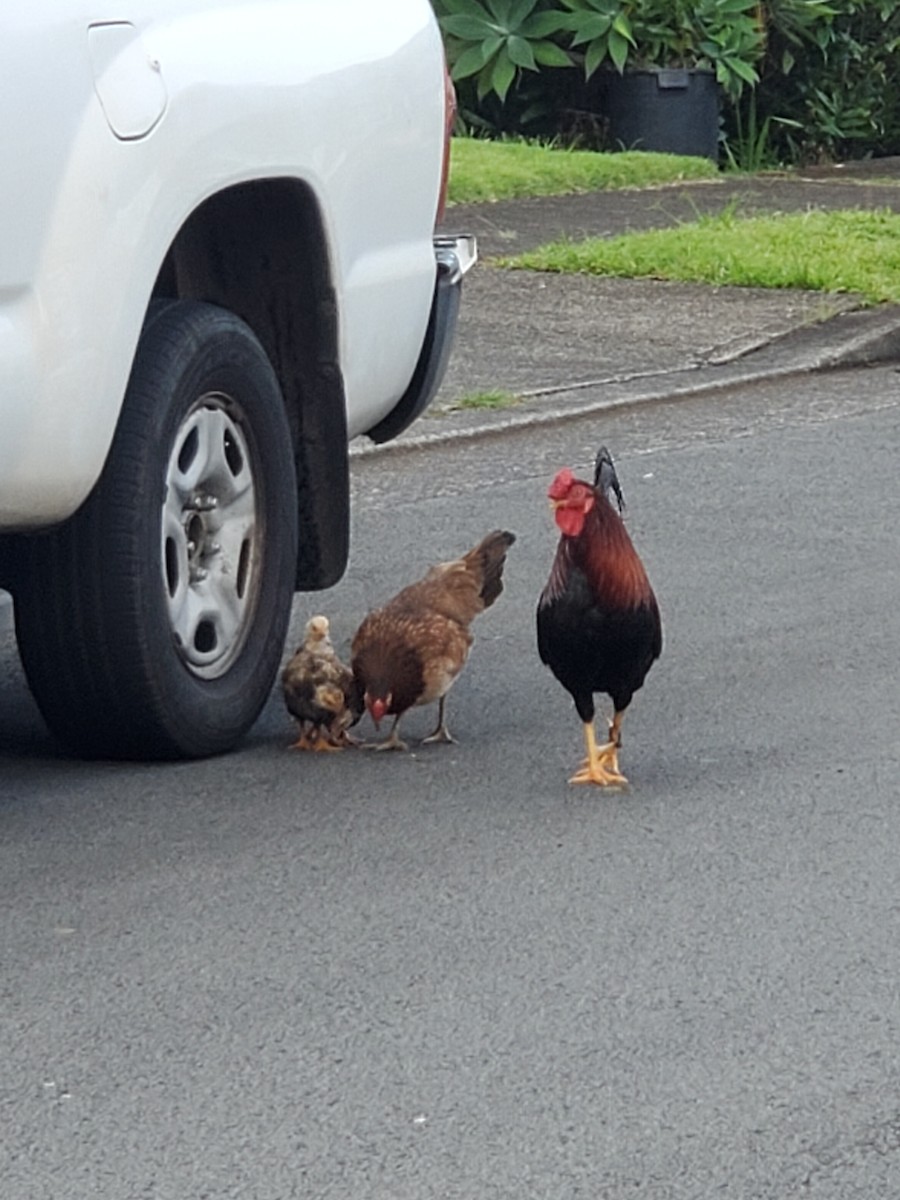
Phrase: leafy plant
pixel 724 35
pixel 793 26
pixel 838 76
pixel 750 148
pixel 824 74
pixel 495 40
pixel 604 29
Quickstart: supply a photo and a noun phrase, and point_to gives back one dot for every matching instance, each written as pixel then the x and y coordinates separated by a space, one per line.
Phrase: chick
pixel 319 691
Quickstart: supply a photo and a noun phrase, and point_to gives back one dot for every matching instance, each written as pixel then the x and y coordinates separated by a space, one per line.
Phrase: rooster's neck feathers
pixel 603 552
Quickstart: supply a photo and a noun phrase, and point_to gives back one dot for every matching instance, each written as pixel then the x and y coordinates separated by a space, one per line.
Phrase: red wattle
pixel 570 520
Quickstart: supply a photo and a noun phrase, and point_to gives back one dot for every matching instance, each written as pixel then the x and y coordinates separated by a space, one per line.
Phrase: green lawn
pixel 854 250
pixel 481 170
pixel 491 400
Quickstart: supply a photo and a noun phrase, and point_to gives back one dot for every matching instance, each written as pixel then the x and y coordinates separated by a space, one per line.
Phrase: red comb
pixel 561 484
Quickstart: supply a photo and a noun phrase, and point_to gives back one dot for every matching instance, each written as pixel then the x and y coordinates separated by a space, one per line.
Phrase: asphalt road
pixel 451 976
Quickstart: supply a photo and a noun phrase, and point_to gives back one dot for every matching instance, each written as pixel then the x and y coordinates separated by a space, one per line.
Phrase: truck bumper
pixel 454 254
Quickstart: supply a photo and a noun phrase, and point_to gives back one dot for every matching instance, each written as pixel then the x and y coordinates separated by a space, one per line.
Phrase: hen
pixel 410 651
pixel 319 691
pixel 598 622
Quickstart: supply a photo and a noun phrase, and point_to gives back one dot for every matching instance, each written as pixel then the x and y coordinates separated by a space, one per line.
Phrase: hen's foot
pixel 393 742
pixel 441 734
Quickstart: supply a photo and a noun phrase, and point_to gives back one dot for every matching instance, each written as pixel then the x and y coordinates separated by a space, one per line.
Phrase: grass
pixel 492 399
pixel 482 170
pixel 847 251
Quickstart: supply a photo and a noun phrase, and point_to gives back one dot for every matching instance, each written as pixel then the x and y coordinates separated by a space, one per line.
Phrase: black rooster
pixel 598 622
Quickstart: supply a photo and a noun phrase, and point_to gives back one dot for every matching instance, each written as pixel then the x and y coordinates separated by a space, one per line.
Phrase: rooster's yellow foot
pixel 601 765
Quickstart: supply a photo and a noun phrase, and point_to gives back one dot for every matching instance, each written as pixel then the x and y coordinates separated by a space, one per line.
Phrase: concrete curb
pixel 542 338
pixel 852 339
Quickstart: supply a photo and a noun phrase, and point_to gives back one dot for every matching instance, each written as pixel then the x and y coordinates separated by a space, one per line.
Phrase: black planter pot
pixel 674 111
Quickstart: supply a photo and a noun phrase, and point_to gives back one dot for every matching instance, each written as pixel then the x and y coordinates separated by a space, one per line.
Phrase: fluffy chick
pixel 319 691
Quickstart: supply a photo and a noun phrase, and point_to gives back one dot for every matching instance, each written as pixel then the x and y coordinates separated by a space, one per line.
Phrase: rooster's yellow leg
pixel 608 755
pixel 302 742
pixel 601 766
pixel 441 733
pixel 615 728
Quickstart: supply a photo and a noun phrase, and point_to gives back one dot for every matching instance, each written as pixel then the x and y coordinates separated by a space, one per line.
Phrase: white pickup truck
pixel 218 263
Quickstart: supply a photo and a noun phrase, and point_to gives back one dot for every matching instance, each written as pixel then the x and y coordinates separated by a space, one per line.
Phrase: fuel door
pixel 127 80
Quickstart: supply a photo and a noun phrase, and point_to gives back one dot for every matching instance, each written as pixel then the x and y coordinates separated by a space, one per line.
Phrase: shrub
pixel 828 71
pixel 840 83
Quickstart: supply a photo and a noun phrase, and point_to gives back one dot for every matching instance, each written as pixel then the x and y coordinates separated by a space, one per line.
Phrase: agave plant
pixel 494 40
pixel 602 30
pixel 724 35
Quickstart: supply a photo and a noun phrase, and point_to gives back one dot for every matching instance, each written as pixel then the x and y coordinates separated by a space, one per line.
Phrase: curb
pixel 873 337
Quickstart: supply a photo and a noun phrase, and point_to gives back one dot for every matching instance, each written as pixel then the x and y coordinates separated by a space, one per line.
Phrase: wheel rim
pixel 211 536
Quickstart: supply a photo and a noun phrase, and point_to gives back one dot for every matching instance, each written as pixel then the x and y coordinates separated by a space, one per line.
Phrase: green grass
pixel 481 170
pixel 848 251
pixel 493 399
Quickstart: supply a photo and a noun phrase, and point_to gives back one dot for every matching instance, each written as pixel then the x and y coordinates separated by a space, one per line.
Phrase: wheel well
pixel 259 250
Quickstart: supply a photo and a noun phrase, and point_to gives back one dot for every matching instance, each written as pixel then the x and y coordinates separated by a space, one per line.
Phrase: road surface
pixel 451 976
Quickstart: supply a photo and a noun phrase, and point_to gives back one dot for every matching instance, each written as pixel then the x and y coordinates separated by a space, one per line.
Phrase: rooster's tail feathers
pixel 606 480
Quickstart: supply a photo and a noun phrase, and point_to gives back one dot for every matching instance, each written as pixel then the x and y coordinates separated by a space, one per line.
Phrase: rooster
pixel 598 622
pixel 410 651
pixel 319 691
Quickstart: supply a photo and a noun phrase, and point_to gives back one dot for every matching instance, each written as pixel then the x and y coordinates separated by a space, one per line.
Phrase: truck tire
pixel 151 624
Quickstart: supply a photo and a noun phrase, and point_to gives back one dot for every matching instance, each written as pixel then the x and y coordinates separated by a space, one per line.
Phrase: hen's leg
pixel 392 742
pixel 601 766
pixel 441 733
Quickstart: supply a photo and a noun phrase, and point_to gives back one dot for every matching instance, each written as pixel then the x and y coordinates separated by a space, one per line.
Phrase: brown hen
pixel 410 651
